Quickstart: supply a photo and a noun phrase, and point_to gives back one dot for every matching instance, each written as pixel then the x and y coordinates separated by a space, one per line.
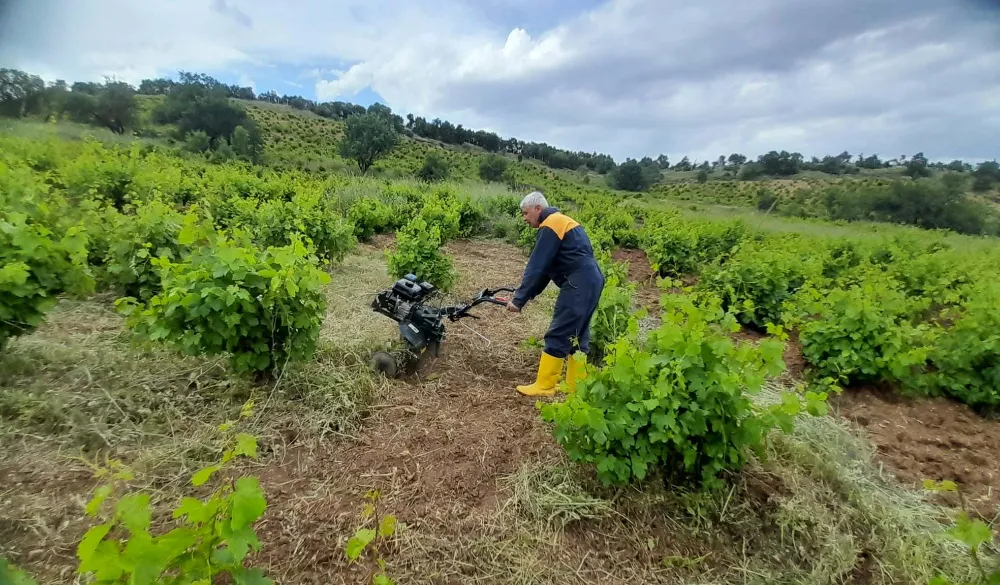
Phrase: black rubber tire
pixel 385 363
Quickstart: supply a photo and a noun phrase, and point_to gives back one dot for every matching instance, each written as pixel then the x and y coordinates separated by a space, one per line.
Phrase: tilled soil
pixel 936 439
pixel 435 452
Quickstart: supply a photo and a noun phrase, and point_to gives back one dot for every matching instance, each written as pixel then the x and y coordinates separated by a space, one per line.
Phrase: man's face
pixel 531 214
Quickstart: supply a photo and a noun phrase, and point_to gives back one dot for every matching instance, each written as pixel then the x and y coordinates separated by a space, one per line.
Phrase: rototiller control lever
pixel 421 327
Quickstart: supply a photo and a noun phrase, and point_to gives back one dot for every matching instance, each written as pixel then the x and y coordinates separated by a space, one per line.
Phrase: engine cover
pixel 419 325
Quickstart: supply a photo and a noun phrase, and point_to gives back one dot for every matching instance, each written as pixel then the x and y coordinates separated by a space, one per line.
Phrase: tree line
pixel 207 120
pixel 437 129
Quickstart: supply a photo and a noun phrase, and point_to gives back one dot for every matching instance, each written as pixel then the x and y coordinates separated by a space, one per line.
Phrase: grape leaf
pixel 357 544
pixel 971 532
pixel 251 577
pixel 248 502
pixel 200 477
pixel 387 527
pixel 88 545
pixel 133 511
pixel 100 495
pixel 246 445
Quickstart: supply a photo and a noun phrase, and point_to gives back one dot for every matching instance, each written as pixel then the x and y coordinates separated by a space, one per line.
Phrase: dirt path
pixel 435 450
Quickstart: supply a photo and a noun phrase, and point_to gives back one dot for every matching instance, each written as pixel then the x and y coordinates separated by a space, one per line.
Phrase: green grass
pixel 34 129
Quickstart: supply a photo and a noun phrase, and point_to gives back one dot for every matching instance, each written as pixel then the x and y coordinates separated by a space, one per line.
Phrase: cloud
pixel 231 11
pixel 628 77
pixel 246 81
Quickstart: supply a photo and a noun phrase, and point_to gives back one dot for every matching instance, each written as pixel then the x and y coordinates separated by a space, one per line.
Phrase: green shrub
pixel 12 575
pixel 211 537
pixel 717 241
pixel 443 211
pixel 492 167
pixel 616 220
pixel 527 237
pixel 615 316
pixel 671 245
pixel 966 355
pixel 840 259
pixel 861 333
pixel 106 174
pixel 418 252
pixel 943 275
pixel 755 282
pixel 263 307
pixel 135 241
pixel 677 403
pixel 471 217
pixel 504 205
pixel 275 222
pixel 42 255
pixel 600 239
pixel 435 168
pixel 370 216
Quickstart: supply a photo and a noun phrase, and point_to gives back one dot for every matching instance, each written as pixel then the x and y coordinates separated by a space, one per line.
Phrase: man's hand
pixel 512 308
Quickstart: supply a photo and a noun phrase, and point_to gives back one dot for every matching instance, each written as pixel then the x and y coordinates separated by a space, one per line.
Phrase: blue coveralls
pixel 563 254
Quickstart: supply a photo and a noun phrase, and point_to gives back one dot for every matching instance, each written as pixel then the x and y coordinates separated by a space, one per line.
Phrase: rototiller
pixel 421 326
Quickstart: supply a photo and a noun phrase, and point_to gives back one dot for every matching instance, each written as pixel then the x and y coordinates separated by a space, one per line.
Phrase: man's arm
pixel 536 273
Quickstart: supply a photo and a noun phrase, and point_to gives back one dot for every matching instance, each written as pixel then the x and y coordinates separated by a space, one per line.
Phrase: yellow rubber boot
pixel 549 368
pixel 576 369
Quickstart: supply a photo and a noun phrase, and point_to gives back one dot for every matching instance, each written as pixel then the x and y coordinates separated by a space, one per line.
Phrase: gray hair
pixel 534 198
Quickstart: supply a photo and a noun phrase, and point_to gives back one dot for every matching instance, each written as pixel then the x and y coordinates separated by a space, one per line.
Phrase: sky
pixel 696 78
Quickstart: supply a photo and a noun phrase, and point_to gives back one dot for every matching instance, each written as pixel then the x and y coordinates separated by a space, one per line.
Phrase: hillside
pixel 302 140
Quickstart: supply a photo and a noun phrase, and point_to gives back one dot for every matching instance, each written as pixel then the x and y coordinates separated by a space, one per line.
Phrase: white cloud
pixel 631 77
pixel 246 81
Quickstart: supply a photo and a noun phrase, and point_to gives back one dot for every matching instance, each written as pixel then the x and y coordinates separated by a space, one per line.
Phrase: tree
pixel 957 166
pixel 160 86
pixel 916 167
pixel 736 160
pixel 492 167
pixel 367 138
pixel 985 176
pixel 664 161
pixel 702 176
pixel 197 141
pixel 241 142
pixel 435 168
pixel 751 171
pixel 221 150
pixel 115 106
pixel 21 94
pixel 629 176
pixel 782 163
pixel 833 165
pixel 246 143
pixel 79 106
pixel 200 102
pixel 871 162
pixel 386 112
pixel 604 164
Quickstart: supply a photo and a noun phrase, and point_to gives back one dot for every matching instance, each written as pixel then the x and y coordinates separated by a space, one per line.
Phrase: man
pixel 563 255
